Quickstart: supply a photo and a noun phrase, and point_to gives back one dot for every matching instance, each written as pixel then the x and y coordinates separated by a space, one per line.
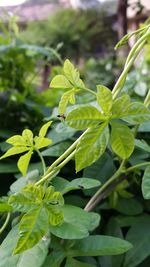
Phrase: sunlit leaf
pixel 24 161
pixel 44 129
pixel 104 98
pixel 91 146
pixel 122 140
pixel 146 183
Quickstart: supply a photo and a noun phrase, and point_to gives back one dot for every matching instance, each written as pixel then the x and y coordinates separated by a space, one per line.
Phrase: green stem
pixel 129 62
pixel 119 85
pixel 5 223
pixel 89 90
pixel 132 168
pixel 95 199
pixel 42 160
pixel 66 153
pixel 147 99
pixel 46 177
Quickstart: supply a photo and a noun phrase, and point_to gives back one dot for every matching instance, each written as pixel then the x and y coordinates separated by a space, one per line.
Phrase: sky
pixel 11 2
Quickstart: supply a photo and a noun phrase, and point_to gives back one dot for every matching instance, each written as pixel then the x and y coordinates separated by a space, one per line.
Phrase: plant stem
pixel 95 199
pixel 132 168
pixel 129 62
pixel 42 160
pixel 66 153
pixel 5 223
pixel 147 99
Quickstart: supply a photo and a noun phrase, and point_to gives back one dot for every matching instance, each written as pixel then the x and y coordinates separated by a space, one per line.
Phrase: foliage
pixel 58 227
pixel 86 35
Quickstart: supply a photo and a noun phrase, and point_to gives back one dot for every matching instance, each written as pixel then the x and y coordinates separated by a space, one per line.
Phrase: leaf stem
pixel 95 199
pixel 147 99
pixel 42 160
pixel 5 223
pixel 132 168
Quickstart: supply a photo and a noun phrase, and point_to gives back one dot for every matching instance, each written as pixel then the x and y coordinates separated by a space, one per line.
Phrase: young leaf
pixel 146 183
pixel 44 129
pixel 41 142
pixel 122 140
pixel 84 117
pixel 71 73
pixel 5 207
pixel 23 162
pixel 14 151
pixel 28 137
pixel 60 82
pixel 98 245
pixel 91 146
pixel 68 97
pixel 104 98
pixel 16 140
pixel 33 226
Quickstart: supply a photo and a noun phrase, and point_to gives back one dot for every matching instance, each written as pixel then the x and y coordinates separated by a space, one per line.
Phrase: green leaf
pixel 28 137
pixel 122 140
pixel 139 236
pixel 120 105
pixel 68 97
pixel 74 263
pixel 56 216
pixel 71 73
pixel 129 206
pixel 4 207
pixel 16 140
pixel 137 113
pixel 104 98
pixel 60 82
pixel 76 184
pixel 91 146
pixel 57 150
pixel 84 117
pixel 77 223
pixel 41 142
pixel 14 151
pixel 142 144
pixel 146 183
pixel 54 259
pixel 98 245
pixel 33 226
pixel 44 129
pixel 24 161
pixel 30 258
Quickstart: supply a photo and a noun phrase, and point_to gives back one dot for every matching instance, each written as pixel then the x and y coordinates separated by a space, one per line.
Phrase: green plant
pixel 46 229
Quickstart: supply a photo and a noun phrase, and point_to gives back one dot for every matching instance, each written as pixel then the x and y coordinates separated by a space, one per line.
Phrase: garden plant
pixel 45 228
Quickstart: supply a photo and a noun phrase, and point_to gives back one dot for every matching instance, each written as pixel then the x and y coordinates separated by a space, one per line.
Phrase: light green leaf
pixel 120 105
pixel 30 258
pixel 56 216
pixel 16 140
pixel 91 146
pixel 71 73
pixel 5 207
pixel 14 151
pixel 60 82
pixel 142 144
pixel 104 98
pixel 74 263
pixel 84 117
pixel 23 162
pixel 22 202
pixel 44 129
pixel 41 142
pixel 68 97
pixel 122 140
pixel 28 137
pixel 98 245
pixel 137 113
pixel 146 183
pixel 33 226
pixel 77 223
